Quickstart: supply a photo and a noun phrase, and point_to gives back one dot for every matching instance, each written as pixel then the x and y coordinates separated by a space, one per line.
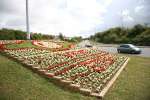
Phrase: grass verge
pixel 19 83
pixel 26 44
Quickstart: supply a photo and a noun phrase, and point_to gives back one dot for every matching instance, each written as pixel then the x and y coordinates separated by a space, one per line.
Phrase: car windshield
pixel 132 46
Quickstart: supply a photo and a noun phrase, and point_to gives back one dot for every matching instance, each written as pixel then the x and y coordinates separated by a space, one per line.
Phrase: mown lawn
pixel 20 83
pixel 26 44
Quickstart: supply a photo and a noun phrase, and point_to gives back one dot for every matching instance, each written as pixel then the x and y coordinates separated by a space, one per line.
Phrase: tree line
pixel 138 35
pixel 11 34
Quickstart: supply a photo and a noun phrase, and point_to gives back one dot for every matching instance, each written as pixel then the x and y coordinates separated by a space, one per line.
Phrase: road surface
pixel 113 48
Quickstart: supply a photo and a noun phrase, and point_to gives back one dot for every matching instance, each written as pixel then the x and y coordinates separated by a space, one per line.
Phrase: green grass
pixel 66 44
pixel 20 83
pixel 26 44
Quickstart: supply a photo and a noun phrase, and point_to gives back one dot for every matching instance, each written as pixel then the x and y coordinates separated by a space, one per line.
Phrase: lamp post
pixel 121 17
pixel 27 21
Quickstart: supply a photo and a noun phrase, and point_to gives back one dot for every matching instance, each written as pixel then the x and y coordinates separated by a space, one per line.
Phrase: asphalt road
pixel 113 48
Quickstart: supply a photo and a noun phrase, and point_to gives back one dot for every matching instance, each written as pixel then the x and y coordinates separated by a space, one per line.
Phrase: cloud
pixel 71 17
pixel 126 16
pixel 108 2
pixel 139 8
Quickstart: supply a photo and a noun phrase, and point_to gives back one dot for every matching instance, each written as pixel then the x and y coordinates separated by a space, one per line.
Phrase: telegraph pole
pixel 27 21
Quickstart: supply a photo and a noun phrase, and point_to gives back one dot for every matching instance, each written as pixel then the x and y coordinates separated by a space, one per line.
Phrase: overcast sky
pixel 73 17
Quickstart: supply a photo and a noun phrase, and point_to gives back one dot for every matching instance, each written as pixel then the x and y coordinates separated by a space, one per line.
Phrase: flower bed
pixel 89 70
pixel 47 44
pixel 10 41
pixel 52 45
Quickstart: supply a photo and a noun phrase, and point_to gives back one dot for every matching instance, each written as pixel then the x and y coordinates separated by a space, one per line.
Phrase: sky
pixel 73 17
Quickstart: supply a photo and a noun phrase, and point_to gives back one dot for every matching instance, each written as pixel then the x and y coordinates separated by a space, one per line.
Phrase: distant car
pixel 128 48
pixel 88 45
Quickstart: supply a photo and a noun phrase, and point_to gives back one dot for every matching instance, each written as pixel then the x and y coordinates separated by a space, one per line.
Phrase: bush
pixel 139 34
pixel 10 34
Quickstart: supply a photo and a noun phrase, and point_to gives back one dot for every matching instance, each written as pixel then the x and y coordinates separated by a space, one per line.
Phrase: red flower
pixel 99 69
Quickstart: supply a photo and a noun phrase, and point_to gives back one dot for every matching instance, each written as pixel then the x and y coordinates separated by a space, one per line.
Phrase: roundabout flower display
pixel 6 42
pixel 53 45
pixel 89 70
pixel 10 41
pixel 47 44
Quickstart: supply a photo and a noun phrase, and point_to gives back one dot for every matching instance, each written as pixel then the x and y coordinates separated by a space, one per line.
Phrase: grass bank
pixel 20 83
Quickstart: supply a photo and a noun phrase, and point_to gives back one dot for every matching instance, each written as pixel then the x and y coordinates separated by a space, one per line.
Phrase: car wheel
pixel 133 52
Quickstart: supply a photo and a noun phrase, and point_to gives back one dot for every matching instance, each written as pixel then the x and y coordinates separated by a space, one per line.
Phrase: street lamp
pixel 27 21
pixel 121 17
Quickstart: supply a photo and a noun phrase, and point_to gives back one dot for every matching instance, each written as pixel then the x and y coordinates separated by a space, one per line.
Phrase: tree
pixel 36 36
pixel 139 34
pixel 10 34
pixel 61 37
pixel 143 38
pixel 48 37
pixel 76 39
pixel 136 30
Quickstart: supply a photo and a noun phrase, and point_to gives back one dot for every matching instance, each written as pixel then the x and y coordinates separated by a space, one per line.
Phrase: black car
pixel 128 48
